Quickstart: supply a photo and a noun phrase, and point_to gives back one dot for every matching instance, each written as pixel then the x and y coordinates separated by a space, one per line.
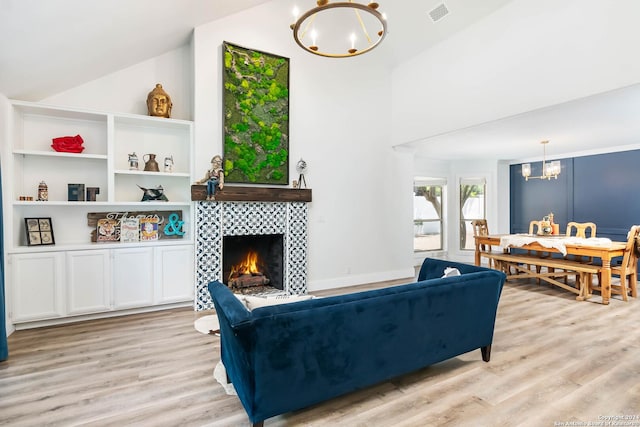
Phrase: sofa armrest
pixel 433 268
pixel 236 342
pixel 234 312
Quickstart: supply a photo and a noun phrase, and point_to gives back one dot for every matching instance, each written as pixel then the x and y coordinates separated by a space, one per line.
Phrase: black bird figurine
pixel 153 194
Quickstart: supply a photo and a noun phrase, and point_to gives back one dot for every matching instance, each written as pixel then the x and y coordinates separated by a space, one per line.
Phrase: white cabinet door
pixel 174 266
pixel 88 278
pixel 133 274
pixel 37 286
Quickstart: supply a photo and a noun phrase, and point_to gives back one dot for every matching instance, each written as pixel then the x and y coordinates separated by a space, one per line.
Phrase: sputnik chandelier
pixel 549 170
pixel 340 29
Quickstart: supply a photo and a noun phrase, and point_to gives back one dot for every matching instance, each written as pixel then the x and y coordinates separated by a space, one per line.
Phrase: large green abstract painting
pixel 256 116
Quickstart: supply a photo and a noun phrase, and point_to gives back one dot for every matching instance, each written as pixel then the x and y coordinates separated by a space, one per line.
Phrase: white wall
pixel 126 91
pixel 528 54
pixel 360 218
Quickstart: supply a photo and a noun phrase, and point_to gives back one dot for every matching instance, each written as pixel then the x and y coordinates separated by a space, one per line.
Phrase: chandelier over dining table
pixel 339 29
pixel 549 170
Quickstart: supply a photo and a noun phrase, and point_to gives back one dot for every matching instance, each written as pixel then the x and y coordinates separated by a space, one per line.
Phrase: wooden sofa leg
pixel 258 424
pixel 486 353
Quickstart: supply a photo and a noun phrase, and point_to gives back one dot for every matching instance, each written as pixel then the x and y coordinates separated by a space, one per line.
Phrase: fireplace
pixel 253 263
pixel 218 222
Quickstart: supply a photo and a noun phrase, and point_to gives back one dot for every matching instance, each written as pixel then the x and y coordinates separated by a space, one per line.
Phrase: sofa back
pixel 434 268
pixel 285 357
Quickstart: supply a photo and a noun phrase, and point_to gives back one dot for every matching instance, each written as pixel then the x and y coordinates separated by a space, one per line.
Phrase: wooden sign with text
pixel 121 226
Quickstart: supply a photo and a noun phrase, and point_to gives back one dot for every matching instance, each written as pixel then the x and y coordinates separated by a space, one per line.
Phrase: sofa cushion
pixel 252 302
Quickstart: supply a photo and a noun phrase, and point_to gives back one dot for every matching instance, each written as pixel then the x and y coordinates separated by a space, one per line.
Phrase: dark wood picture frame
pixel 39 231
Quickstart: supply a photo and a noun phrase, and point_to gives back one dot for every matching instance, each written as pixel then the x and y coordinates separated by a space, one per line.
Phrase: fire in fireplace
pixel 248 273
pixel 253 263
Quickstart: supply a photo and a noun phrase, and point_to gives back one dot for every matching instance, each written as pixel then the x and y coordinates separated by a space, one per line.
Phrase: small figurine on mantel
pixel 159 102
pixel 214 177
pixel 301 167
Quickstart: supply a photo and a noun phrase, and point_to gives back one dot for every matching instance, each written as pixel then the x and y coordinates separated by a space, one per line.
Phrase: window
pixel 427 214
pixel 472 206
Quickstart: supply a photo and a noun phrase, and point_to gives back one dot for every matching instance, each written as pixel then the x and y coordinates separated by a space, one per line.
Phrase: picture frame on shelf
pixel 108 230
pixel 75 192
pixel 39 231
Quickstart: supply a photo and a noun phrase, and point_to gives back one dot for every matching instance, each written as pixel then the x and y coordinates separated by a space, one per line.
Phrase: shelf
pixel 31 108
pixel 156 122
pixel 59 154
pixel 59 203
pixel 99 204
pixel 96 246
pixel 139 172
pixel 154 204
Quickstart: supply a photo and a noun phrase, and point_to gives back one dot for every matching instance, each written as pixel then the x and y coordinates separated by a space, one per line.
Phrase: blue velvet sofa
pixel 286 357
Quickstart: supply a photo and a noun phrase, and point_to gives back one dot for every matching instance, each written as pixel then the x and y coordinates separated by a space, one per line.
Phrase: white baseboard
pixel 361 279
pixel 101 315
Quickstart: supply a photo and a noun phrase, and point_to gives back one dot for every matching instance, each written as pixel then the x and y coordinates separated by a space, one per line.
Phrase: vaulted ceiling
pixel 47 47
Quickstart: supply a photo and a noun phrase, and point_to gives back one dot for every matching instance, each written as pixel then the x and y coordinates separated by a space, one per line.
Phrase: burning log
pixel 247 273
pixel 248 280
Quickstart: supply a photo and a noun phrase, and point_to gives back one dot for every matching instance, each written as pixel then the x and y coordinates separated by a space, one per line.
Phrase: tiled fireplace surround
pixel 215 220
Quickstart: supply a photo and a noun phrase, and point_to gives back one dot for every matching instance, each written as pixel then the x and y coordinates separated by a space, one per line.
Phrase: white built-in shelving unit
pixel 76 276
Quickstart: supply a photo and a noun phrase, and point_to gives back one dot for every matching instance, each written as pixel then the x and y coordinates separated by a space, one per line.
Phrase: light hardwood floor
pixel 553 360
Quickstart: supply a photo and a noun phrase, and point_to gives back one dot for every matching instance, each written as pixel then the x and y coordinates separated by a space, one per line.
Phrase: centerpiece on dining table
pixel 547 227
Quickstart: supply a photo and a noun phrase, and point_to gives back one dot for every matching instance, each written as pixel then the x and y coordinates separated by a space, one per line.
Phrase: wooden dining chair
pixel 581 229
pixel 535 227
pixel 627 271
pixel 480 228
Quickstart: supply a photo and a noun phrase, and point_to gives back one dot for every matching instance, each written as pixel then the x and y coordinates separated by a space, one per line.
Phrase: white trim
pixel 426 181
pixel 482 180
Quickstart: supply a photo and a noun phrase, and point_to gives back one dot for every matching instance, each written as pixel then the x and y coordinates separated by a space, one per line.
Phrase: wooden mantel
pixel 232 193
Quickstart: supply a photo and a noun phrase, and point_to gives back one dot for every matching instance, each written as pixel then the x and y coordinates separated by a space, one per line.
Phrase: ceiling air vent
pixel 439 12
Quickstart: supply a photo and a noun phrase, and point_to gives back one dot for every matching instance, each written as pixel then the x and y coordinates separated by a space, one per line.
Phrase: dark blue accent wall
pixel 599 188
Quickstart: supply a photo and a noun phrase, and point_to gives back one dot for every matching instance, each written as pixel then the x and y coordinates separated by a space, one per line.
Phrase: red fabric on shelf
pixel 68 144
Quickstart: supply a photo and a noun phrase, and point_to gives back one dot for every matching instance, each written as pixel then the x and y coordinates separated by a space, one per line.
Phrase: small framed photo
pixel 39 231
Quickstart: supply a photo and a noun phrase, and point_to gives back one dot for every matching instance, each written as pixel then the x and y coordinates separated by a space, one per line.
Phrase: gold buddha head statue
pixel 159 102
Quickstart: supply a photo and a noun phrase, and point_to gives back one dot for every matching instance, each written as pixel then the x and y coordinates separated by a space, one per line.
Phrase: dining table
pixel 601 248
